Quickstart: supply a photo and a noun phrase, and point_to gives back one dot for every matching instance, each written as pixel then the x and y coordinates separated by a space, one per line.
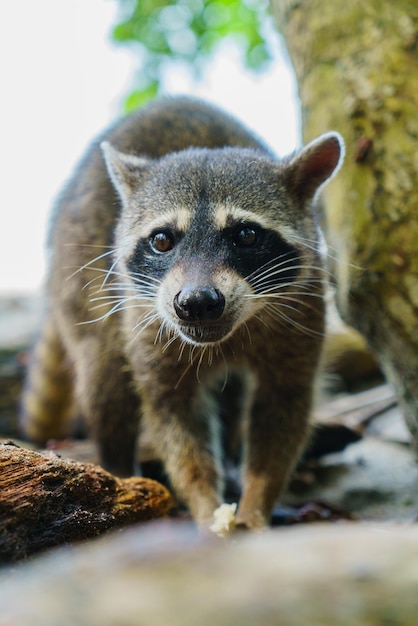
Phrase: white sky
pixel 62 81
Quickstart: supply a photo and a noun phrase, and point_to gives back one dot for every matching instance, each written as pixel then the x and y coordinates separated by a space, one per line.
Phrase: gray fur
pixel 168 338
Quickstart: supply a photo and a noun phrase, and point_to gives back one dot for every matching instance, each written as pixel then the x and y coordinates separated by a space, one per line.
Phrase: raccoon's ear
pixel 125 170
pixel 314 165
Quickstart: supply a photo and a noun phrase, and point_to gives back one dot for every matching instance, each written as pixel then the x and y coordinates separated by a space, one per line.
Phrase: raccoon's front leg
pixel 275 436
pixel 109 403
pixel 186 433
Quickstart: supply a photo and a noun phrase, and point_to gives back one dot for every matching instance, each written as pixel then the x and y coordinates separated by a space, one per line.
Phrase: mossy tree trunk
pixel 356 63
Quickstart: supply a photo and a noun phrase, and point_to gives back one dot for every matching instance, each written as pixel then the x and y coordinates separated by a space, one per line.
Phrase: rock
pixel 373 478
pixel 163 573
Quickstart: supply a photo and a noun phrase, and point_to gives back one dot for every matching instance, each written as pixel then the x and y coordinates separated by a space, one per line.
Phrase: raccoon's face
pixel 209 238
pixel 204 266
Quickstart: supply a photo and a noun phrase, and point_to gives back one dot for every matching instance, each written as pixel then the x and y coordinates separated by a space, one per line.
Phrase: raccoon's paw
pixel 254 520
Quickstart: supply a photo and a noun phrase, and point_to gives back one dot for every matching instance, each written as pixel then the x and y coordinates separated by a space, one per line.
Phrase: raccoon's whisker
pixel 274 281
pixel 142 325
pixel 115 308
pixel 316 273
pixel 307 285
pixel 283 305
pixel 210 355
pixel 268 268
pixel 276 291
pixel 146 290
pixel 136 276
pixel 245 325
pixel 160 332
pixel 275 299
pixel 118 286
pixel 266 287
pixel 276 270
pixel 271 262
pixel 199 363
pixel 141 279
pixel 183 344
pixel 225 382
pixel 277 295
pixel 119 294
pixel 101 270
pixel 89 245
pixel 119 306
pixel 149 316
pixel 90 282
pixel 263 321
pixel 191 353
pixel 110 271
pixel 301 239
pixel 292 297
pixel 129 286
pixel 310 244
pixel 301 303
pixel 89 263
pixel 317 247
pixel 188 366
pixel 110 299
pixel 171 340
pixel 118 301
pixel 281 317
pixel 186 369
pixel 287 264
pixel 122 289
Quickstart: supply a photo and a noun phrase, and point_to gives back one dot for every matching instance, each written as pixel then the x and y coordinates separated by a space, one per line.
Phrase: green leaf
pixel 168 31
pixel 139 97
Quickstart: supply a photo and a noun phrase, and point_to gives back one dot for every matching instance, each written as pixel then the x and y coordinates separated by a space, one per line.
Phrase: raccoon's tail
pixel 47 400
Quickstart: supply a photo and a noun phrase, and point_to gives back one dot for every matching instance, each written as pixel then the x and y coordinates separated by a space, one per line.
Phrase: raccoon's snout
pixel 199 304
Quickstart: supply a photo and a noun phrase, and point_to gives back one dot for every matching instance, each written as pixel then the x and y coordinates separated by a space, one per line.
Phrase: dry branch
pixel 47 501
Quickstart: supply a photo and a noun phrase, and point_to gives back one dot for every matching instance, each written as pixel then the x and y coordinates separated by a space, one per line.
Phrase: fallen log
pixel 47 501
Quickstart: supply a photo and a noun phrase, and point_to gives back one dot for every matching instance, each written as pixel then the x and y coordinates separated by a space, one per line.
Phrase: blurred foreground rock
pixel 162 573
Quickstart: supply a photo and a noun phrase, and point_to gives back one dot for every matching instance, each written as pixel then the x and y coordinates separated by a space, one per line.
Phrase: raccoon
pixel 186 297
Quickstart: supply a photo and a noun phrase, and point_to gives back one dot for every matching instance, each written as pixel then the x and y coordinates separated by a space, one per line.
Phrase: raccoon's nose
pixel 199 304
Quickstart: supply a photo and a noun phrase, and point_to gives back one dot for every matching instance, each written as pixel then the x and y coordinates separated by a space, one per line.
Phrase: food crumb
pixel 224 519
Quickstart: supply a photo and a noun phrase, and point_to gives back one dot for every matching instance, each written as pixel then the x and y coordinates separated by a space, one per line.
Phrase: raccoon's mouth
pixel 204 334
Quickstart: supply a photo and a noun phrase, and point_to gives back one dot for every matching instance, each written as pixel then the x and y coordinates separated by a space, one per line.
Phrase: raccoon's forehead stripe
pixel 178 218
pixel 224 216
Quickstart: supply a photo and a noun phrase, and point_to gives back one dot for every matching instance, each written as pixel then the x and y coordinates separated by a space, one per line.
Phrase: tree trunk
pixel 356 64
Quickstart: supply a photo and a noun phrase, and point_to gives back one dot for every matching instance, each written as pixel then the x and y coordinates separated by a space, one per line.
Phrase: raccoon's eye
pixel 245 237
pixel 162 242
